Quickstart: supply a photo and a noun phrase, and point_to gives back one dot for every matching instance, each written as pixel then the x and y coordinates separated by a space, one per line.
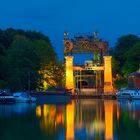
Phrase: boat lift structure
pixel 95 76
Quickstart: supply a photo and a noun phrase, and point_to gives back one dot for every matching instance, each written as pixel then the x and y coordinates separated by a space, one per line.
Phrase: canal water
pixel 78 120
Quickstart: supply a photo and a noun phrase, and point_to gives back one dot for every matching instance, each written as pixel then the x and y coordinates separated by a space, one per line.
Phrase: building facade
pixel 134 80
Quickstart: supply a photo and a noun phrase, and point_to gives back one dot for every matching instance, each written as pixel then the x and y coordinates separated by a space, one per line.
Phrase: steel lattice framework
pixel 96 73
pixel 86 44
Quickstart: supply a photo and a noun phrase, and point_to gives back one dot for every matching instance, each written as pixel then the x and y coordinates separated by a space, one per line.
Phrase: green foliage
pixel 22 61
pixel 2 49
pixel 120 83
pixel 127 128
pixel 132 59
pixel 126 58
pixel 115 66
pixel 22 55
pixel 124 44
pixel 45 52
pixel 53 75
pixel 3 72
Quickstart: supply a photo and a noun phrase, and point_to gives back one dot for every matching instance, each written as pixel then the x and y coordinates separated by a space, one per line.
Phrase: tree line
pixel 126 58
pixel 27 60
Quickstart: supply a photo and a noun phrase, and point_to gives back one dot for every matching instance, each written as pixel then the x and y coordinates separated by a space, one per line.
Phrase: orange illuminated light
pixel 70 122
pixel 108 120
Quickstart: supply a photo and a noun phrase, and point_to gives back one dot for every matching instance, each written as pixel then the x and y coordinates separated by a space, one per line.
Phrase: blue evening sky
pixel 111 18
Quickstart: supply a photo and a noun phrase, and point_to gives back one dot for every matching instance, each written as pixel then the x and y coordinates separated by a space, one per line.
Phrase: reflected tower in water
pixel 70 121
pixel 108 106
pixel 82 119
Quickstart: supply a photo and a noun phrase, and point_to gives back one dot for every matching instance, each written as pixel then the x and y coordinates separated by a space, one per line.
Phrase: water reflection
pixel 70 121
pixel 20 108
pixel 87 119
pixel 52 119
pixel 108 106
pixel 79 120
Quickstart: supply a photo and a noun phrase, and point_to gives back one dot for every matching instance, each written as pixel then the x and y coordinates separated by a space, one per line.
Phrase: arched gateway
pixel 95 76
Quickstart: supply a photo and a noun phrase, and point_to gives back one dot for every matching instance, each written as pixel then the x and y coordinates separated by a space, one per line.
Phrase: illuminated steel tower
pixel 96 74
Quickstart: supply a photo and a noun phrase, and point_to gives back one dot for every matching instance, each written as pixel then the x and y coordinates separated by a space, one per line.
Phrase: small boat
pixel 5 97
pixel 23 97
pixel 128 94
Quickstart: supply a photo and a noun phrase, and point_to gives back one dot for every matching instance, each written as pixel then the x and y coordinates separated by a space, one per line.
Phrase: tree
pixel 23 54
pixel 22 63
pixel 45 52
pixel 125 54
pixel 51 70
pixel 123 44
pixel 132 57
pixel 52 75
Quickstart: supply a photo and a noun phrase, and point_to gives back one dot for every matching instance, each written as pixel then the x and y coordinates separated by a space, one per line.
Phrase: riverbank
pixel 94 96
pixel 52 97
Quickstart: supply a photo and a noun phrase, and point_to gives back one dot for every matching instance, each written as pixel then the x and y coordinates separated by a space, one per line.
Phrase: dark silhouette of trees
pixel 126 58
pixel 23 54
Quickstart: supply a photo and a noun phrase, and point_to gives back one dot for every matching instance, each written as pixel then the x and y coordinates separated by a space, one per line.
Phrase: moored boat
pixel 23 97
pixel 128 94
pixel 6 98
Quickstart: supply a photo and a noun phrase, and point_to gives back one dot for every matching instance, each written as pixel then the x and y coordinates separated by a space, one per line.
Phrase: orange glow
pixel 47 120
pixel 38 111
pixel 45 110
pixel 69 73
pixel 47 79
pixel 45 85
pixel 108 120
pixel 70 121
pixel 59 119
pixel 118 113
pixel 52 111
pixel 108 88
pixel 51 117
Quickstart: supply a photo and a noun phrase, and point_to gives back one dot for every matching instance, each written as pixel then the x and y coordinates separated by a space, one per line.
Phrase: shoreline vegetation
pixel 125 59
pixel 28 61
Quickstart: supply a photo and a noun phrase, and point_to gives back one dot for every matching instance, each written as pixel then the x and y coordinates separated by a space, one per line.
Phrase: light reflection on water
pixel 79 120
